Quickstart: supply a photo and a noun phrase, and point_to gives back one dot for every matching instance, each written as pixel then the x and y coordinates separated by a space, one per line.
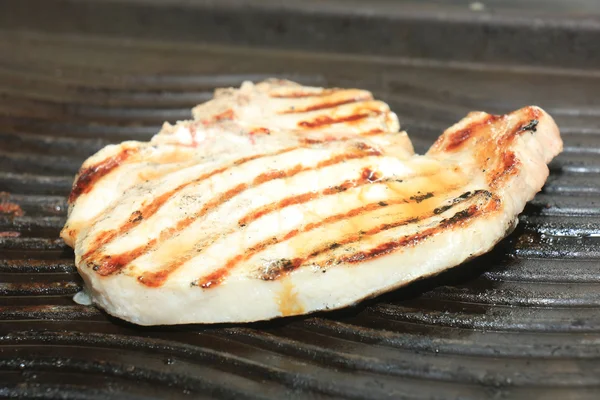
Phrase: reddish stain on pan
pixel 8 207
pixel 9 234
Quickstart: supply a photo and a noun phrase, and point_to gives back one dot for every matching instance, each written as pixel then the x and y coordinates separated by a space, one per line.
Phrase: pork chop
pixel 211 222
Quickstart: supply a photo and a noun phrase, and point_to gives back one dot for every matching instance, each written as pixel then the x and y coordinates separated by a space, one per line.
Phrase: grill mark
pixel 302 198
pixel 306 197
pixel 493 155
pixel 112 264
pixel 504 162
pixel 486 148
pixel 331 138
pixel 109 266
pixel 301 95
pixel 157 279
pixel 372 132
pixel 411 240
pixel 458 138
pixel 281 269
pixel 531 126
pixel 508 167
pixel 327 105
pixel 148 210
pixel 445 208
pixel 532 116
pixel 90 175
pixel 324 120
pixel 421 197
pixel 218 276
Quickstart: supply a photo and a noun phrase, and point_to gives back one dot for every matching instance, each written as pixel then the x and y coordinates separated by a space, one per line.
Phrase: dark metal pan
pixel 520 322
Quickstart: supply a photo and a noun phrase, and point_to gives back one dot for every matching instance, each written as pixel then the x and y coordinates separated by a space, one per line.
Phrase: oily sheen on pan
pixel 279 199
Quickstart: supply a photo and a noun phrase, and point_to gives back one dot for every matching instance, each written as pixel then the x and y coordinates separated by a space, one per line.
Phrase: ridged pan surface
pixel 522 321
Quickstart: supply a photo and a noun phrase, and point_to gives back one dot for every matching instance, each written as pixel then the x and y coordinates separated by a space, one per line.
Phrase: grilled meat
pixel 217 220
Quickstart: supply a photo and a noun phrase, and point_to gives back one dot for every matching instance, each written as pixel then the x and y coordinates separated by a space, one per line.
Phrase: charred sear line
pixel 420 197
pixel 275 269
pixel 360 236
pixel 442 209
pixel 508 167
pixel 153 279
pixel 458 218
pixel 325 106
pixel 464 196
pixel 531 126
pixel 410 240
pixel 386 248
pixel 373 132
pixel 325 120
pixel 367 176
pixel 456 139
pixel 136 216
pixel 89 176
pixel 218 276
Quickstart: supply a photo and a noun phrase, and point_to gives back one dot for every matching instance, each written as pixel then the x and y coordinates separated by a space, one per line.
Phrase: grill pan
pixel 520 322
